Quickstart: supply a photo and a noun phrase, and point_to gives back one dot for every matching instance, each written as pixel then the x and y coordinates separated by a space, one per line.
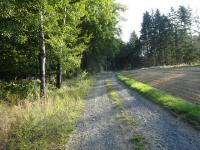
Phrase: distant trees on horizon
pixel 164 40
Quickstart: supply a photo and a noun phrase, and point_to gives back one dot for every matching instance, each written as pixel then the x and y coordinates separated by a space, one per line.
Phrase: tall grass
pixel 183 108
pixel 36 125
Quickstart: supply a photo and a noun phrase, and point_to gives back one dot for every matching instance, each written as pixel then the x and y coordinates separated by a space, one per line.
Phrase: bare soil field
pixel 183 82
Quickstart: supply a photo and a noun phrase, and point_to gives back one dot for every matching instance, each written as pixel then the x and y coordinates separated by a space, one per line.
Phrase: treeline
pixel 165 40
pixel 48 38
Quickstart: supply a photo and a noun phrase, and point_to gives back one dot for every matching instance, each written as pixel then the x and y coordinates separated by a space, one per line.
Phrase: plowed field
pixel 182 82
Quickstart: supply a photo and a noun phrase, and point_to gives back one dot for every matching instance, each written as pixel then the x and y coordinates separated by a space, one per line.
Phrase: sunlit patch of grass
pixel 138 140
pixel 183 108
pixel 114 95
pixel 47 125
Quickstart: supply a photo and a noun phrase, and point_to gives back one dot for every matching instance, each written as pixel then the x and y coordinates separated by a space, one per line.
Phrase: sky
pixel 135 9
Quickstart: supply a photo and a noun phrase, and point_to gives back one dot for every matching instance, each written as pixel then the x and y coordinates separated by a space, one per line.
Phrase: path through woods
pixel 99 128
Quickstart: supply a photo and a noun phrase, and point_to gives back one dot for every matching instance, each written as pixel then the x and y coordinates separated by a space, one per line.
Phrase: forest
pixel 54 38
pixel 49 50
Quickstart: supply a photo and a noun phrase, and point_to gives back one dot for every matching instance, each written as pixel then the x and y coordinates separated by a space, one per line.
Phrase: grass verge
pixel 178 106
pixel 36 125
pixel 138 140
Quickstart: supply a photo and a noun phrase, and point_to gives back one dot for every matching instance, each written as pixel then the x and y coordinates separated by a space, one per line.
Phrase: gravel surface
pixel 161 130
pixel 99 128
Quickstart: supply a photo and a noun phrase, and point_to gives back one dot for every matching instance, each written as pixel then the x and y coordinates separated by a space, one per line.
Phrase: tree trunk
pixel 59 76
pixel 59 65
pixel 42 60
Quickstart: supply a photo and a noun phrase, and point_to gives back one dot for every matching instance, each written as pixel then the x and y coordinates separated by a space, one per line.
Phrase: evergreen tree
pixel 145 36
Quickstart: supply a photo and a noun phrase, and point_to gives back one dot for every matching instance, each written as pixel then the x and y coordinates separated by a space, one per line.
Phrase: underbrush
pixel 15 92
pixel 178 106
pixel 47 125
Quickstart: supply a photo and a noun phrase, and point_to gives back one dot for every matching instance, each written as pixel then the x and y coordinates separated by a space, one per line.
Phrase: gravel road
pixel 161 130
pixel 99 128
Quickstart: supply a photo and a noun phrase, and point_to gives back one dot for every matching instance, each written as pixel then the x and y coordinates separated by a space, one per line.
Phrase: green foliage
pixel 101 24
pixel 179 106
pixel 138 140
pixel 71 28
pixel 130 53
pixel 17 92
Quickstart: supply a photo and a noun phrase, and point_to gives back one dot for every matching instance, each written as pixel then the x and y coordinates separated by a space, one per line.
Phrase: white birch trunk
pixel 42 59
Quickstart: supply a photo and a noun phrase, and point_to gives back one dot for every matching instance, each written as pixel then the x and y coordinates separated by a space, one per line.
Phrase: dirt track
pixel 182 82
pixel 99 128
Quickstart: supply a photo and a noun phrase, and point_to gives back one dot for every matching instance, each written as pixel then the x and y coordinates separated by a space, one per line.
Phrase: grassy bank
pixel 138 140
pixel 33 125
pixel 182 108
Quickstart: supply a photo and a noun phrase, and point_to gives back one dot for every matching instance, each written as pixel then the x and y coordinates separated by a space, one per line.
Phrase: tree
pixel 167 39
pixel 145 35
pixel 18 39
pixel 135 50
pixel 100 23
pixel 67 45
pixel 130 55
pixel 42 57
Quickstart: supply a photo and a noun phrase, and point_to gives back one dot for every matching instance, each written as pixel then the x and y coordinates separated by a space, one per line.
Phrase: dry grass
pixel 36 125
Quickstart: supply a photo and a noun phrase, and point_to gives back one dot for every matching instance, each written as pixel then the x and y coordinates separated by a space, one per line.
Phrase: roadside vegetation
pixel 16 92
pixel 138 140
pixel 33 124
pixel 178 106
